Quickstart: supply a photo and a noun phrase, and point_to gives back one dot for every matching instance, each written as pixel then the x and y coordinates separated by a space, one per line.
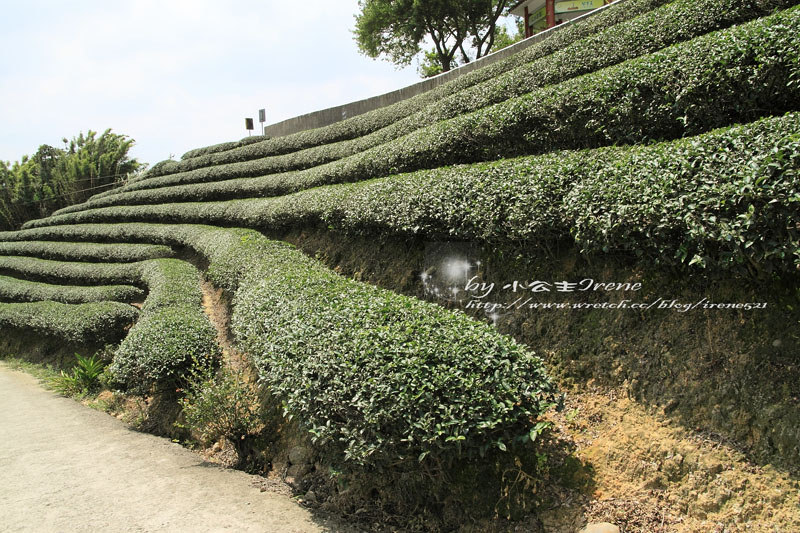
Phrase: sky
pixel 173 74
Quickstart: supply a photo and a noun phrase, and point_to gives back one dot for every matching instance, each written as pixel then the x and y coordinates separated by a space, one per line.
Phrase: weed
pixel 84 378
pixel 224 404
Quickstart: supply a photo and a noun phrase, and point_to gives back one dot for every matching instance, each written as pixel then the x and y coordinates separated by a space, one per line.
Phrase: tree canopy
pixel 53 178
pixel 397 29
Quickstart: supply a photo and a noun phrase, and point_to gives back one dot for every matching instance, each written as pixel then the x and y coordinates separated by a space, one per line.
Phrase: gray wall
pixel 317 119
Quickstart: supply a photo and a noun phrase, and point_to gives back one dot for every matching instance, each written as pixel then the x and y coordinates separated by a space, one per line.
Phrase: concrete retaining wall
pixel 317 119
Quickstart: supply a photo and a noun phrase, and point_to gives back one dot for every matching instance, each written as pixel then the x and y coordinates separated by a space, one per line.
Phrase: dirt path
pixel 64 467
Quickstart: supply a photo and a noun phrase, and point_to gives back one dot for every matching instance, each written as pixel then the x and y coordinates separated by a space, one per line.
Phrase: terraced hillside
pixel 656 143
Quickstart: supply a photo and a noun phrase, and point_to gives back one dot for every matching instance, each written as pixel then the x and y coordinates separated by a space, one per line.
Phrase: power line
pixel 95 178
pixel 64 195
pixel 100 177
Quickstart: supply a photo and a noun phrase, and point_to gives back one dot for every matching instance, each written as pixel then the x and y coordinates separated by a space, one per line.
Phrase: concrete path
pixel 65 467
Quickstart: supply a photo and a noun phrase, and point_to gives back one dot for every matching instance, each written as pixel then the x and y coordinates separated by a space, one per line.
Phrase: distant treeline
pixel 53 178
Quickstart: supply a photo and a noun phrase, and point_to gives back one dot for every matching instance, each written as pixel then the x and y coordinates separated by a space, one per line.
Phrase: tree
pixel 480 17
pixel 96 162
pixel 429 66
pixel 53 178
pixel 396 29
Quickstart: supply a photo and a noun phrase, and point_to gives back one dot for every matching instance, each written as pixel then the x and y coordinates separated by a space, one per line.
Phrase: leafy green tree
pixel 429 66
pixel 53 178
pixel 396 29
pixel 502 37
pixel 480 18
pixel 7 217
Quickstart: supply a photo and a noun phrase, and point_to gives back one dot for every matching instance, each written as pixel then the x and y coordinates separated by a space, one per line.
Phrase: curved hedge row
pixel 379 376
pixel 678 21
pixel 162 346
pixel 456 385
pixel 65 273
pixel 171 283
pixel 225 146
pixel 172 330
pixel 159 168
pixel 18 290
pixel 677 202
pixel 428 378
pixel 121 233
pixel 373 120
pixel 87 323
pixel 69 251
pixel 730 75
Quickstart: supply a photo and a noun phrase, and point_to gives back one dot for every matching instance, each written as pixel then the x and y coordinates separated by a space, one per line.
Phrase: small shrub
pixel 221 404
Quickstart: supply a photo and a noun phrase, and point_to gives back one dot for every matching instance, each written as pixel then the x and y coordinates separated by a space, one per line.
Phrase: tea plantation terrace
pixel 678 145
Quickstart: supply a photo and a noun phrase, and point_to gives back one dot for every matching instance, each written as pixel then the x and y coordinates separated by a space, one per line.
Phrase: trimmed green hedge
pixel 373 120
pixel 456 385
pixel 427 378
pixel 162 346
pixel 684 201
pixel 222 147
pixel 64 273
pixel 69 251
pixel 711 81
pixel 172 330
pixel 122 233
pixel 18 290
pixel 172 333
pixel 87 323
pixel 678 21
pixel 378 376
pixel 171 283
pixel 163 166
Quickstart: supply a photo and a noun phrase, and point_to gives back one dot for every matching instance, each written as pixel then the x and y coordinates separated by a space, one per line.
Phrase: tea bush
pixel 88 323
pixel 18 290
pixel 68 251
pixel 172 331
pixel 371 373
pixel 162 347
pixel 379 377
pixel 663 217
pixel 68 272
pixel 225 146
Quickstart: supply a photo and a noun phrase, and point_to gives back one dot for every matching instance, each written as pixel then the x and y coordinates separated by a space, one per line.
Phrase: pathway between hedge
pixel 65 467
